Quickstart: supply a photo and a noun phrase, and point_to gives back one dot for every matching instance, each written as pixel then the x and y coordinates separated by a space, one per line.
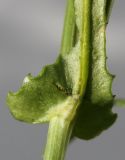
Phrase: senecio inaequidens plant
pixel 73 94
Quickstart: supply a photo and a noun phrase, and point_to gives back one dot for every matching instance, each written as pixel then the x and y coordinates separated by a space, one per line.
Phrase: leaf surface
pixel 95 113
pixel 58 88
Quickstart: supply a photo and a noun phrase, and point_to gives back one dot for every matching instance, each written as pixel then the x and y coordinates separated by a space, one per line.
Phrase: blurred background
pixel 30 36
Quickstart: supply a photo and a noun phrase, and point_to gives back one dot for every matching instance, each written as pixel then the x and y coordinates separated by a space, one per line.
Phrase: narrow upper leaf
pixel 95 111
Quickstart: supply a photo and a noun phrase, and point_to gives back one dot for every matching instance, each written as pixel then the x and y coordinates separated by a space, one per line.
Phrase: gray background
pixel 30 34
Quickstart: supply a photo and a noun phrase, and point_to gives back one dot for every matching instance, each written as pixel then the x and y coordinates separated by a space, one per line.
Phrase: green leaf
pixel 37 95
pixel 95 113
pixel 93 119
pixel 57 90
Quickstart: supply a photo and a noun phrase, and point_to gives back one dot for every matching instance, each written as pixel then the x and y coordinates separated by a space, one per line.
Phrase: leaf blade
pixel 95 115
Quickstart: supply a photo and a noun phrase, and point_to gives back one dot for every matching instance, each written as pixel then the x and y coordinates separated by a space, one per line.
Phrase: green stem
pixel 58 138
pixel 60 128
pixel 69 28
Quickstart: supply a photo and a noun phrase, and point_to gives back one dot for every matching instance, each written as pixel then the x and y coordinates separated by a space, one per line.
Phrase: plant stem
pixel 69 28
pixel 60 128
pixel 58 138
